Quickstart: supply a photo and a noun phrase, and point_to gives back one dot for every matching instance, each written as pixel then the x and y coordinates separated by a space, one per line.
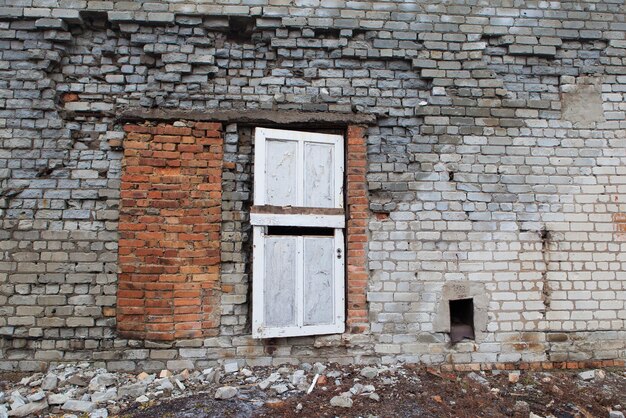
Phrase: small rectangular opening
pixel 461 320
pixel 300 230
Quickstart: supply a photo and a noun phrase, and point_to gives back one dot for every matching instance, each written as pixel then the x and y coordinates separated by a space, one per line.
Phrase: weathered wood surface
pixel 280 281
pixel 295 210
pixel 318 280
pixel 319 175
pixel 281 173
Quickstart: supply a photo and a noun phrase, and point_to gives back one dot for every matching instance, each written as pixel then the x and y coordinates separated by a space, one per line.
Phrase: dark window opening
pixel 300 230
pixel 241 28
pixel 461 320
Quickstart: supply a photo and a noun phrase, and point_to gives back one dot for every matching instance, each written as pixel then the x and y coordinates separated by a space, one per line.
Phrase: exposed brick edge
pixel 170 222
pixel 356 229
pixel 539 365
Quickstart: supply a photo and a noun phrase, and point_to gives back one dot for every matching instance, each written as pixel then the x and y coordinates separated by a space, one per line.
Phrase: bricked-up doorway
pixel 169 247
pixel 170 225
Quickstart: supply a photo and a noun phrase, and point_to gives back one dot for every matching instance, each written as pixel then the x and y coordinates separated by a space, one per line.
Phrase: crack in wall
pixel 546 291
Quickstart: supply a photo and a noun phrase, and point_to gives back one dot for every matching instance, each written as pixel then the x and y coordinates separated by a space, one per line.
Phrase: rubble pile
pixel 83 390
pixel 73 390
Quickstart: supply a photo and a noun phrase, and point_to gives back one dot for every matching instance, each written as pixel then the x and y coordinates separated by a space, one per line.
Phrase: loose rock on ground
pixel 312 390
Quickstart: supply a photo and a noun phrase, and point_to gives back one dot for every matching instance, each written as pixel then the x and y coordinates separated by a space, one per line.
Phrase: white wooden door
pixel 298 240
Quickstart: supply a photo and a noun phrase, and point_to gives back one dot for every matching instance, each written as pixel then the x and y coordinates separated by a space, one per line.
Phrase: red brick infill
pixel 169 247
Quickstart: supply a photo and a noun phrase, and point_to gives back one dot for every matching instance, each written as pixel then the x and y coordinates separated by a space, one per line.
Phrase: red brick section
pixel 358 214
pixel 538 365
pixel 169 247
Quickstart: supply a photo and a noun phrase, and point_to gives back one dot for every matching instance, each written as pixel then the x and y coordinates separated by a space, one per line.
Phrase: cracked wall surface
pixel 496 161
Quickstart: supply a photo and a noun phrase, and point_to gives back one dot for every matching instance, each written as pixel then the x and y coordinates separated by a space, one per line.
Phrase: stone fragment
pixel 184 375
pixel 104 396
pixel 78 380
pixel 99 413
pixel 514 377
pixel 37 396
pixel 298 377
pixel 28 409
pixel 280 389
pixel 587 375
pixel 616 414
pixel 369 389
pixel 165 384
pixel 57 398
pixel 142 376
pixel 318 368
pixel 17 400
pixel 267 382
pixel 180 385
pixel 374 397
pixel 478 378
pixel 50 382
pixel 142 399
pixel 369 372
pixel 165 373
pixel 231 367
pixel 4 413
pixel 78 406
pixel 226 392
pixel 341 401
pixel 134 390
pixel 106 379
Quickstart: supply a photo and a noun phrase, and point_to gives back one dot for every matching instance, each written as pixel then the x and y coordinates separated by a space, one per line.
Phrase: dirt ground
pixel 417 392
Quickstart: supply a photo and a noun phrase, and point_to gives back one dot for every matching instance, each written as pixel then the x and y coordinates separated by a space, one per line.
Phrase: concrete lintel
pixel 250 117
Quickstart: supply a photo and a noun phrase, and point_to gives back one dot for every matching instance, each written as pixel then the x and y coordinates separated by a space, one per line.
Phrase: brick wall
pixel 169 248
pixel 497 159
pixel 356 228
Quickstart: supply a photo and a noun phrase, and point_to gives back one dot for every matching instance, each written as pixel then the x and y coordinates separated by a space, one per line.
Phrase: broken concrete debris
pixel 341 401
pixel 83 389
pixel 587 374
pixel 226 392
pixel 108 394
pixel 369 372
pixel 78 406
pixel 478 378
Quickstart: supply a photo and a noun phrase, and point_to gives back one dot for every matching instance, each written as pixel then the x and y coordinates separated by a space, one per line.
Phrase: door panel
pixel 318 280
pixel 281 173
pixel 319 176
pixel 280 281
